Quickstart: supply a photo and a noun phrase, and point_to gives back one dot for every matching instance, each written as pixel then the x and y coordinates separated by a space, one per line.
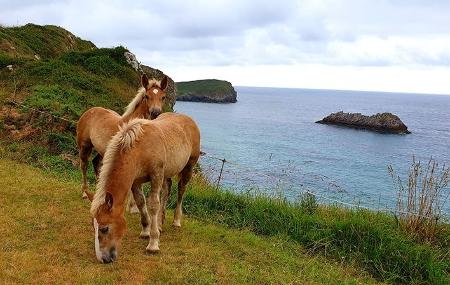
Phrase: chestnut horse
pixel 141 151
pixel 98 125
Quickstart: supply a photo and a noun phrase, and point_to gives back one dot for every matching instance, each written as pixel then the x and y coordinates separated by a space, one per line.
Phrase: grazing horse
pixel 141 151
pixel 98 125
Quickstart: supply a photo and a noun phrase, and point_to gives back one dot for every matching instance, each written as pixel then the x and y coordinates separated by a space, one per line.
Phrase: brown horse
pixel 142 151
pixel 98 125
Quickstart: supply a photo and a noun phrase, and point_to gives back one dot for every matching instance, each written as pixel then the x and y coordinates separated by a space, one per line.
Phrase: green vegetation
pixel 69 76
pixel 47 237
pixel 44 41
pixel 208 90
pixel 375 241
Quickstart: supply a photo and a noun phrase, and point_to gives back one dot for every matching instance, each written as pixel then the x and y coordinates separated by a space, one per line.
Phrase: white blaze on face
pixel 155 91
pixel 98 253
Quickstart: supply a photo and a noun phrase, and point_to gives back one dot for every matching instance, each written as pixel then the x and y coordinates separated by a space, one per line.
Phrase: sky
pixel 383 45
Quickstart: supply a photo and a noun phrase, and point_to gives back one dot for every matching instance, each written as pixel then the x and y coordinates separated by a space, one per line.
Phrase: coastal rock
pixel 207 91
pixel 381 122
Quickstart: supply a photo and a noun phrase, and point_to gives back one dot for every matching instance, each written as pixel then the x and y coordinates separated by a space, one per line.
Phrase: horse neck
pixel 119 184
pixel 141 111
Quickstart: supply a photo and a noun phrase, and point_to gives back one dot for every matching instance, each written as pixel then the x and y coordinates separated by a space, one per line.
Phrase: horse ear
pixel 109 200
pixel 144 80
pixel 164 83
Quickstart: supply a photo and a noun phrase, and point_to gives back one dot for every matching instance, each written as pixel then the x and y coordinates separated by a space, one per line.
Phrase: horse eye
pixel 104 230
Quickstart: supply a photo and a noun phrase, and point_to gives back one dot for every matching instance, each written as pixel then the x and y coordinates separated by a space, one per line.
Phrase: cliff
pixel 381 122
pixel 208 91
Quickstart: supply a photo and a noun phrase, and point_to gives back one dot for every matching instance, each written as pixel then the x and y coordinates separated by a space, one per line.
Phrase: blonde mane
pixel 123 140
pixel 139 96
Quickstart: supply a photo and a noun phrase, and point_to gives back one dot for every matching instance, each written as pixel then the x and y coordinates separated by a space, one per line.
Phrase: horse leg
pixel 185 176
pixel 132 204
pixel 167 187
pixel 97 163
pixel 154 205
pixel 139 197
pixel 84 153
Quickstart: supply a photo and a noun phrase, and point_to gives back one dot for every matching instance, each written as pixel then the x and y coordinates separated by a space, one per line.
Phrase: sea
pixel 271 143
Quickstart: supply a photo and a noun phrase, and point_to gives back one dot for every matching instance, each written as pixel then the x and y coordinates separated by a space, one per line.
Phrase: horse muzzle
pixel 108 258
pixel 155 113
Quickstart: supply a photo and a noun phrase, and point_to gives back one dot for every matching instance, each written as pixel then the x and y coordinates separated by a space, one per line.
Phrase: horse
pixel 97 125
pixel 141 151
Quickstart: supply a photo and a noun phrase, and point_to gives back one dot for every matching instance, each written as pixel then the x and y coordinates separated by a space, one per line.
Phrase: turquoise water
pixel 270 137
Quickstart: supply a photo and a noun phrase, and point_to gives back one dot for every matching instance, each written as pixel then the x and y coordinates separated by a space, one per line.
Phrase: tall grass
pixel 421 201
pixel 372 240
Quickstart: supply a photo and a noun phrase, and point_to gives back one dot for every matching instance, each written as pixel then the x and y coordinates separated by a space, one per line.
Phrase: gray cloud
pixel 330 32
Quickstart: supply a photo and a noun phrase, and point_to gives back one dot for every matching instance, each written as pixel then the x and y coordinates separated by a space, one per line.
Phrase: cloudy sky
pixel 385 45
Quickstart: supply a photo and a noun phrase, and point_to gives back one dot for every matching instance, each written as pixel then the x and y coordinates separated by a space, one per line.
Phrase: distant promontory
pixel 381 122
pixel 208 91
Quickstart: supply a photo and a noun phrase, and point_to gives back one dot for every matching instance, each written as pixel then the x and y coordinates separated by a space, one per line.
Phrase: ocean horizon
pixel 274 145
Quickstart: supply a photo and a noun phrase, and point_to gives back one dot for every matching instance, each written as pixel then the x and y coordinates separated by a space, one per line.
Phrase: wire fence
pixel 234 175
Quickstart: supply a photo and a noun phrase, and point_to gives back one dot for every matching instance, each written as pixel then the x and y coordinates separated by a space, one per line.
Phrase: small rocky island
pixel 381 122
pixel 208 91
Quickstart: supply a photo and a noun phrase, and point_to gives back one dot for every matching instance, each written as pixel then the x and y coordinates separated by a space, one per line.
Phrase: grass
pixel 373 240
pixel 45 41
pixel 424 196
pixel 46 237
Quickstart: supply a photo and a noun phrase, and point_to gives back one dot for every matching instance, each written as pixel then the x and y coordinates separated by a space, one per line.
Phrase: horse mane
pixel 139 96
pixel 123 140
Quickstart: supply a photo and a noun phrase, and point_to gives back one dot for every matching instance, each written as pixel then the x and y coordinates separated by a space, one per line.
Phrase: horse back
pixel 96 126
pixel 175 141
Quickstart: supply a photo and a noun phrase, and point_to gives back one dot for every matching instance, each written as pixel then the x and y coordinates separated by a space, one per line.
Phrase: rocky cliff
pixel 208 91
pixel 381 122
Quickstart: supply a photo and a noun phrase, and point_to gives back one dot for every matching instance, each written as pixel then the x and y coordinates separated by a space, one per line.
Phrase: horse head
pixel 155 95
pixel 109 227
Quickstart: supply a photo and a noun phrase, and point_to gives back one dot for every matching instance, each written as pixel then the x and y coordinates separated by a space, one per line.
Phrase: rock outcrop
pixel 208 91
pixel 171 89
pixel 381 122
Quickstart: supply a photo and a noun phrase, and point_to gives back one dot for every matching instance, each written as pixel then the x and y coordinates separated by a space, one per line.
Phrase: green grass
pixel 372 240
pixel 45 41
pixel 47 237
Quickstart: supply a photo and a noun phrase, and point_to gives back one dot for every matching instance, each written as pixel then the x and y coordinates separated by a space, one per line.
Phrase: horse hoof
pixel 84 196
pixel 177 224
pixel 152 249
pixel 144 235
